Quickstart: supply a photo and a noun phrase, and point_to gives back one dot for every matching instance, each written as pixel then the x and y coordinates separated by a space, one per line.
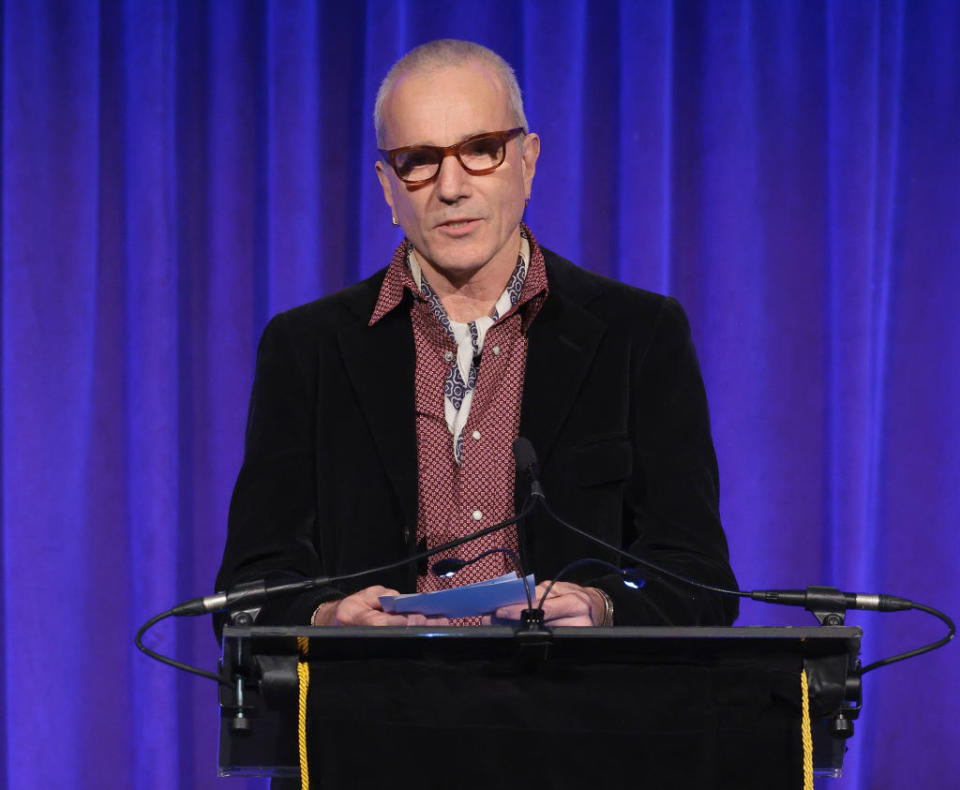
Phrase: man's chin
pixel 456 264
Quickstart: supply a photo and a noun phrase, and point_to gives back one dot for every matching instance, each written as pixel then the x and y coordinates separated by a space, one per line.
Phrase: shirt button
pixel 496 351
pixel 477 515
pixel 448 355
pixel 476 434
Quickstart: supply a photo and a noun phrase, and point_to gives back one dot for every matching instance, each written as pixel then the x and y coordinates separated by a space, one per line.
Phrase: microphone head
pixel 448 567
pixel 525 455
pixel 632 579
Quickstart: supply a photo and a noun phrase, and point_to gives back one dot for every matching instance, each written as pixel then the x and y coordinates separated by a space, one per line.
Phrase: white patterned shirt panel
pixel 462 377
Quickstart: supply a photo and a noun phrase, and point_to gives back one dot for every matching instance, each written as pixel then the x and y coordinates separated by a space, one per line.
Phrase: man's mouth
pixel 458 227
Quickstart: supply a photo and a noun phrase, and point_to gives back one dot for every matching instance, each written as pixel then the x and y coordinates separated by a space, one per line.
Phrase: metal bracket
pixel 827 604
pixel 241 722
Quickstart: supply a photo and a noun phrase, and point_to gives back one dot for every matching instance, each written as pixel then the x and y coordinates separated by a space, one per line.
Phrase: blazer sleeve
pixel 273 512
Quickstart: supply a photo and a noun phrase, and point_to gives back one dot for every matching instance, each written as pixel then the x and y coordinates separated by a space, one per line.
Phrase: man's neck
pixel 473 295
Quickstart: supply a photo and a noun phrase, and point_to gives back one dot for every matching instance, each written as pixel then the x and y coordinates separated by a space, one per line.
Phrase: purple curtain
pixel 174 172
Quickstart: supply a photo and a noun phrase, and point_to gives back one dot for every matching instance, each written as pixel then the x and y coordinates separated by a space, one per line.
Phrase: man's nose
pixel 453 182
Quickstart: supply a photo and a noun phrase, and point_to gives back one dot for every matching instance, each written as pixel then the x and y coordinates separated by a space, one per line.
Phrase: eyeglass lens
pixel 478 154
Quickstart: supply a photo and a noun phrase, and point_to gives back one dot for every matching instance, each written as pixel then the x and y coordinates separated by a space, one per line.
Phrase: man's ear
pixel 385 183
pixel 528 161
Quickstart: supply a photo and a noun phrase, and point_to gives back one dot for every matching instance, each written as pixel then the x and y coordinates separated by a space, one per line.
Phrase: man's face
pixel 459 222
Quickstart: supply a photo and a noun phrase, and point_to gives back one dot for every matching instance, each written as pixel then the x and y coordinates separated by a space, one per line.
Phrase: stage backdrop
pixel 173 173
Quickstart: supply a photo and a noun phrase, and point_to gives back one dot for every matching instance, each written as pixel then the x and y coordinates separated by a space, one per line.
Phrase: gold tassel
pixel 806 735
pixel 303 675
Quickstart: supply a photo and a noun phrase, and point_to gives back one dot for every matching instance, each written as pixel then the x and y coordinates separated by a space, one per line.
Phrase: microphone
pixel 247 594
pixel 828 603
pixel 526 458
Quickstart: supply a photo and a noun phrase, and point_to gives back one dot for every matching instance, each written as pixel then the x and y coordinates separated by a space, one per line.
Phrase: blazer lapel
pixel 380 363
pixel 563 341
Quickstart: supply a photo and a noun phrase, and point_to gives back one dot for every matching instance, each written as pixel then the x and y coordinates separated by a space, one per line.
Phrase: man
pixel 382 416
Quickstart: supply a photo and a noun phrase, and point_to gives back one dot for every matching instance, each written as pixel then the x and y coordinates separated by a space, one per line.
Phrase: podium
pixel 568 707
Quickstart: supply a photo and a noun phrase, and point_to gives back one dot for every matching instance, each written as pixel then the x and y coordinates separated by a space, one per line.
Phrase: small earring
pixel 395 220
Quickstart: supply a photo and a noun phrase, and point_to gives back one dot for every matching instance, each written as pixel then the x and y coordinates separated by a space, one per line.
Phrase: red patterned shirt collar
pixel 398 279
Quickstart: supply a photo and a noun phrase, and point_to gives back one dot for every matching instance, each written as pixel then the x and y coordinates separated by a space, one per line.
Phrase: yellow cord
pixel 805 733
pixel 303 675
pixel 303 645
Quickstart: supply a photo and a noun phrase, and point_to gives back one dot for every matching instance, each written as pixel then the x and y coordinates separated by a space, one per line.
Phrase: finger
pixel 356 610
pixel 563 598
pixel 558 589
pixel 421 619
pixel 541 588
pixel 382 618
pixel 379 589
pixel 371 595
pixel 572 621
pixel 568 605
pixel 511 612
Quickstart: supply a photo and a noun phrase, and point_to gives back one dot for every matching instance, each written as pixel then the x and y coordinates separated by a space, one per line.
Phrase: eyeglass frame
pixel 504 137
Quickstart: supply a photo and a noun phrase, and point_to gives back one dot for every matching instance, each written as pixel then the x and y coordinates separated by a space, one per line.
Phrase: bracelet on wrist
pixel 607 620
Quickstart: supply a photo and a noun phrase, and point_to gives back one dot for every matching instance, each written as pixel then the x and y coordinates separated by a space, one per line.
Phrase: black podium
pixel 573 707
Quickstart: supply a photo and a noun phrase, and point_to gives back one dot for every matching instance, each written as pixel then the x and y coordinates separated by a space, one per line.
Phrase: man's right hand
pixel 363 608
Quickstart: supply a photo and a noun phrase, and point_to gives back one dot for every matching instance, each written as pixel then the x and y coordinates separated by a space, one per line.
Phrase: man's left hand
pixel 567 604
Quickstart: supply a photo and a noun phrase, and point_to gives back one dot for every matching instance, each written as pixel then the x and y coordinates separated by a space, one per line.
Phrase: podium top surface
pixel 369 641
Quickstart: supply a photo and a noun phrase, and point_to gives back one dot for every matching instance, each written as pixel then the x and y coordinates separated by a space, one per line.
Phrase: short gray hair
pixel 442 53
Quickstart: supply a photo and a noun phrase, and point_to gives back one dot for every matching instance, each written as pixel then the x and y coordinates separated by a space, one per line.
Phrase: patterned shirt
pixel 461 380
pixel 469 387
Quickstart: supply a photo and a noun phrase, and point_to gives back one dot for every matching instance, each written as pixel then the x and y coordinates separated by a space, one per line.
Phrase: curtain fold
pixel 175 172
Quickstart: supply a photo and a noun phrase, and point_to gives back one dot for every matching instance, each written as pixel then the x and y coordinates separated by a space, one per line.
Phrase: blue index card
pixel 470 600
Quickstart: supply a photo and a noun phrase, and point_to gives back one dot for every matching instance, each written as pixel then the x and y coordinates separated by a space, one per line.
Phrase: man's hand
pixel 363 608
pixel 567 604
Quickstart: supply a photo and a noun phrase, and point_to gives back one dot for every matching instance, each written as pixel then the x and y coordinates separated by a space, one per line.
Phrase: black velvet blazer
pixel 613 402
